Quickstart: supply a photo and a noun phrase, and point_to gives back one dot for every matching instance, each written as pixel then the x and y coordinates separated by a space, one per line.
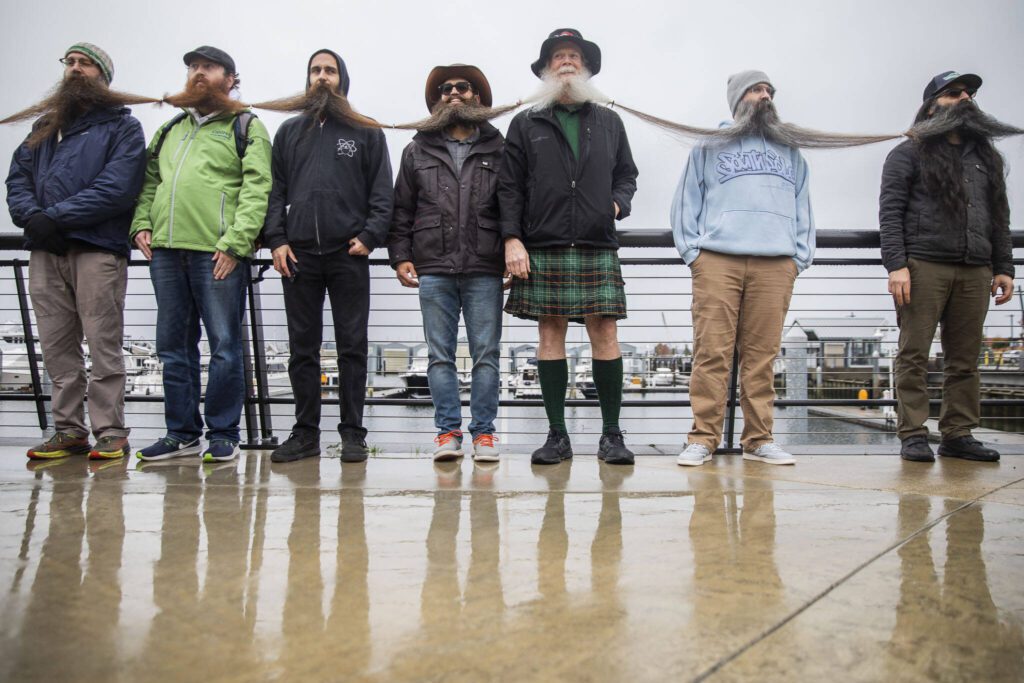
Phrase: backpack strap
pixel 162 134
pixel 241 127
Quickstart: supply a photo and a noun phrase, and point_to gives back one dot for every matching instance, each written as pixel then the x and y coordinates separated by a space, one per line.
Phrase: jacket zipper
pixel 174 184
pixel 316 207
pixel 223 198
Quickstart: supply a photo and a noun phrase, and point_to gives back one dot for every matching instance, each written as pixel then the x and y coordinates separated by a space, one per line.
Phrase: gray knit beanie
pixel 740 83
pixel 93 52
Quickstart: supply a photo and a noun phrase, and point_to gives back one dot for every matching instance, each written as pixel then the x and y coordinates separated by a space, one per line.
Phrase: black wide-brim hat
pixel 440 74
pixel 591 52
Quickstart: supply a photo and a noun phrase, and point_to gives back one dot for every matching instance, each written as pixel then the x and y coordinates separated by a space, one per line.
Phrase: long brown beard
pixel 199 94
pixel 963 117
pixel 67 101
pixel 469 114
pixel 762 119
pixel 320 102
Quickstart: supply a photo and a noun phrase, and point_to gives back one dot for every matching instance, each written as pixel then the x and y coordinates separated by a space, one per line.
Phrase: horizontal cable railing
pixel 834 383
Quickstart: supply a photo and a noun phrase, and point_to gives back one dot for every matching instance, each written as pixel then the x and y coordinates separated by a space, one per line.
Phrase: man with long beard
pixel 944 220
pixel 566 177
pixel 329 208
pixel 200 210
pixel 742 221
pixel 444 240
pixel 71 187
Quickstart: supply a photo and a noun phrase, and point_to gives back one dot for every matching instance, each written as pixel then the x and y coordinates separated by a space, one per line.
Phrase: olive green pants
pixel 956 296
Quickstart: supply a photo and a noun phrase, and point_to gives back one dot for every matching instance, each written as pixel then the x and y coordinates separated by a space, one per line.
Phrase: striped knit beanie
pixel 97 55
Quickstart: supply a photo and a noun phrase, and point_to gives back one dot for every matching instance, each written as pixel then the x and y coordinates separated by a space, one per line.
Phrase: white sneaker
pixel 771 453
pixel 694 454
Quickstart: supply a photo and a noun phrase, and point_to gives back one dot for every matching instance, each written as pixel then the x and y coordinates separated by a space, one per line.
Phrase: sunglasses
pixel 957 92
pixel 462 87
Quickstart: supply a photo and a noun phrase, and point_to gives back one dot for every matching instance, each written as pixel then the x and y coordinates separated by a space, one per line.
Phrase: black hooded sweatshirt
pixel 332 182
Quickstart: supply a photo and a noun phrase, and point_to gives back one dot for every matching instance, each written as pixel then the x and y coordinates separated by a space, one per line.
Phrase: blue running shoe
pixel 167 448
pixel 220 451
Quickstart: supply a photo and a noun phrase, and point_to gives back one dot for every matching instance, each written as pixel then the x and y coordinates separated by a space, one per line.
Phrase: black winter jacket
pixel 332 182
pixel 548 198
pixel 87 183
pixel 913 223
pixel 446 223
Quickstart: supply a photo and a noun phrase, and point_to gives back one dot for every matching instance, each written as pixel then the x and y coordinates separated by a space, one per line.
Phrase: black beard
pixel 320 102
pixel 468 114
pixel 72 97
pixel 963 117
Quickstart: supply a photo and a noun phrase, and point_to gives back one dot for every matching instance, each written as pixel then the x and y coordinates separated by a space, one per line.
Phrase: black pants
pixel 347 280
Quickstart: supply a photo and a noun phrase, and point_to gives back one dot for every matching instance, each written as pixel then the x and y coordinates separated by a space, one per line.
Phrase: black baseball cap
pixel 214 54
pixel 591 52
pixel 947 78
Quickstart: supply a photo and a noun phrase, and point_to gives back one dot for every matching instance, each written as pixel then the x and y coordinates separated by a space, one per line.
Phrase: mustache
pixel 320 102
pixel 69 99
pixel 201 94
pixel 964 117
pixel 445 114
pixel 761 119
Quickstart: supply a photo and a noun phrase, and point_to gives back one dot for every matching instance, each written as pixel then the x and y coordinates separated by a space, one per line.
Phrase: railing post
pixel 730 417
pixel 251 430
pixel 30 345
pixel 260 359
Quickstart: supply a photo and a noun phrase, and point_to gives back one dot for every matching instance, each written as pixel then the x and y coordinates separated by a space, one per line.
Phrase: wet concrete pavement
pixel 855 567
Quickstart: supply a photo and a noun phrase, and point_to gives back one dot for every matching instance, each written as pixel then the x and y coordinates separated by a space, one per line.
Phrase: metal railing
pixel 642 271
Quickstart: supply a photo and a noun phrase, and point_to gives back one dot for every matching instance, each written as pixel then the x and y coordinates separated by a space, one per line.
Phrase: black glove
pixel 44 234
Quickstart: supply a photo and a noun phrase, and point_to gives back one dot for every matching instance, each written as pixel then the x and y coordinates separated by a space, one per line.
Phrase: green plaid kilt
pixel 570 282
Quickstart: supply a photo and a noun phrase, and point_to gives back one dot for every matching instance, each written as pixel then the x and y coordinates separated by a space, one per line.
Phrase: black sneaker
pixel 353 448
pixel 968 448
pixel 299 445
pixel 556 449
pixel 916 449
pixel 613 450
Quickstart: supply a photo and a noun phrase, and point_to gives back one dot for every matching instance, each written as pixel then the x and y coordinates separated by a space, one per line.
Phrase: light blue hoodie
pixel 749 197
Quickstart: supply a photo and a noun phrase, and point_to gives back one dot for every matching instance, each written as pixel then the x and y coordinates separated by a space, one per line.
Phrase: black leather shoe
pixel 916 449
pixel 613 450
pixel 299 445
pixel 968 448
pixel 353 448
pixel 556 449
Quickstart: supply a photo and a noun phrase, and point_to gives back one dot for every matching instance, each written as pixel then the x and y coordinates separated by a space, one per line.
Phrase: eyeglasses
pixel 83 62
pixel 462 87
pixel 955 93
pixel 758 89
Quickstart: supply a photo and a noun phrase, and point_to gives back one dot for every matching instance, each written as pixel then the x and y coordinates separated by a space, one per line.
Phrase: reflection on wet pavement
pixel 398 570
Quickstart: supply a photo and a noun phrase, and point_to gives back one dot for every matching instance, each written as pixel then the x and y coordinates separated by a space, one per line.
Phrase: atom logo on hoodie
pixel 347 147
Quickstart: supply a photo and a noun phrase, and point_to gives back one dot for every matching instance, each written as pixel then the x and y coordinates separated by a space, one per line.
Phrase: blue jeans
pixel 479 298
pixel 185 294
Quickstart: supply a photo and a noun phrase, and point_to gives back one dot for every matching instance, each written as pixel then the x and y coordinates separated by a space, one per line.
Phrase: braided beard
pixel 320 102
pixel 963 117
pixel 71 98
pixel 199 94
pixel 445 114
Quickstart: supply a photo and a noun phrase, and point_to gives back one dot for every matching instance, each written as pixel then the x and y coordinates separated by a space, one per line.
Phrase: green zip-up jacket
pixel 199 195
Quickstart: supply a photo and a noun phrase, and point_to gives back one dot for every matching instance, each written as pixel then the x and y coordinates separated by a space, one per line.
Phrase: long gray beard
pixel 963 117
pixel 760 119
pixel 555 89
pixel 468 114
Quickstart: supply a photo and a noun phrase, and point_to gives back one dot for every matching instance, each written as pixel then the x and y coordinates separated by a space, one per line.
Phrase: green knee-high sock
pixel 608 380
pixel 554 379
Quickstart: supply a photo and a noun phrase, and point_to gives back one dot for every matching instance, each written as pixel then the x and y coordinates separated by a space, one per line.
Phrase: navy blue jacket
pixel 87 183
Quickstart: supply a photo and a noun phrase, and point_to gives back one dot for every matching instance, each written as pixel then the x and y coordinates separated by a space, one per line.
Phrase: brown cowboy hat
pixel 440 74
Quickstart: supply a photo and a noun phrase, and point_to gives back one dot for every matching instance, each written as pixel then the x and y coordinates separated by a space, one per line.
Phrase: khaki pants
pixel 737 300
pixel 82 294
pixel 957 296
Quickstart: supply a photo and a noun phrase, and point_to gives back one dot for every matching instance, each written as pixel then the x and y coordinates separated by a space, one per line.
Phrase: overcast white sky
pixel 839 65
pixel 844 65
